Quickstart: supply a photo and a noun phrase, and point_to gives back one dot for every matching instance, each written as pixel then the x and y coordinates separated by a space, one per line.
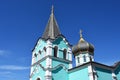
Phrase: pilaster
pixel 92 73
pixel 114 76
pixel 48 73
pixel 70 57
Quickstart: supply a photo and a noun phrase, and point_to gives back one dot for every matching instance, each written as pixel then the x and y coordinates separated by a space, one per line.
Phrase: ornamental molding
pixel 50 69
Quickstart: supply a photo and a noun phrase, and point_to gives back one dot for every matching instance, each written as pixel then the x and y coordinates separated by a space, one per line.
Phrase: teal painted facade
pixel 59 64
pixel 59 74
pixel 61 44
pixel 52 58
pixel 56 62
pixel 36 70
pixel 39 72
pixel 103 74
pixel 79 74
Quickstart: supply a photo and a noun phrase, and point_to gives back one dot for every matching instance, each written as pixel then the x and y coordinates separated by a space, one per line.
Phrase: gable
pixel 39 45
pixel 61 43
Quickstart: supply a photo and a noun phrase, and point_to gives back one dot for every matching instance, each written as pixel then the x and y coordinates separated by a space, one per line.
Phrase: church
pixel 52 58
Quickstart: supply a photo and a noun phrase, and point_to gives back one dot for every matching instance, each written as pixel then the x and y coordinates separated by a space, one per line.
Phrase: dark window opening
pixel 38 78
pixel 35 55
pixel 55 51
pixel 45 49
pixel 84 58
pixel 64 53
pixel 78 59
pixel 39 52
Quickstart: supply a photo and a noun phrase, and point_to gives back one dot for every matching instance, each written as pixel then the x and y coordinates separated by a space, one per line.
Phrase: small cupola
pixel 83 51
pixel 82 46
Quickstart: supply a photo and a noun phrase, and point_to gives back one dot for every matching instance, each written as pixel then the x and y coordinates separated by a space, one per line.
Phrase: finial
pixel 80 33
pixel 52 11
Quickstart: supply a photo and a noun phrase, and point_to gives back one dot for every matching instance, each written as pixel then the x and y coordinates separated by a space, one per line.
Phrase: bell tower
pixel 83 51
pixel 52 53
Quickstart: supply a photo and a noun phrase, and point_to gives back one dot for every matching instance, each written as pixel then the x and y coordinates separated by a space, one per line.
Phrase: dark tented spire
pixel 52 29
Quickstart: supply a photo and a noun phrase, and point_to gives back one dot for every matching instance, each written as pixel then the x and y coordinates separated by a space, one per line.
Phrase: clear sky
pixel 22 22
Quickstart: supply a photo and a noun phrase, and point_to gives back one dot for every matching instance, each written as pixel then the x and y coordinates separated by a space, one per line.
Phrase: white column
pixel 70 57
pixel 114 76
pixel 76 60
pixel 48 73
pixel 90 72
pixel 81 59
pixel 87 57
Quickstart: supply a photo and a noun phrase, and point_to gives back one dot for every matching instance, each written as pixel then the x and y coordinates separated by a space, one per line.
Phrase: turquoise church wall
pixel 39 73
pixel 56 62
pixel 61 44
pixel 79 74
pixel 117 72
pixel 40 45
pixel 103 74
pixel 59 74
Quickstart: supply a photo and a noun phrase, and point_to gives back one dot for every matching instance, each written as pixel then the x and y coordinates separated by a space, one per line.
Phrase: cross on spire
pixel 52 10
pixel 81 33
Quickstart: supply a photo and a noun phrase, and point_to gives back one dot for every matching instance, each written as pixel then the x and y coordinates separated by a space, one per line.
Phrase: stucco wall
pixel 79 74
pixel 103 74
pixel 59 73
pixel 39 72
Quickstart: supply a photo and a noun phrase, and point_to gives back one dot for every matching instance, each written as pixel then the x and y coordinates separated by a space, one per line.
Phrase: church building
pixel 52 58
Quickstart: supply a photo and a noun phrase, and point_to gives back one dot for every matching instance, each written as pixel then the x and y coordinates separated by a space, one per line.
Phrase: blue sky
pixel 22 22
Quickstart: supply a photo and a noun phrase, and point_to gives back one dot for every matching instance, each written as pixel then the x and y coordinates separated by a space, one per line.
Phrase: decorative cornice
pixel 52 40
pixel 96 64
pixel 50 69
pixel 57 58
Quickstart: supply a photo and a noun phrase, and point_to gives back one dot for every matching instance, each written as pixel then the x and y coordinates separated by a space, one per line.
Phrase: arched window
pixel 39 51
pixel 64 53
pixel 38 78
pixel 39 54
pixel 55 51
pixel 35 55
pixel 44 51
pixel 84 58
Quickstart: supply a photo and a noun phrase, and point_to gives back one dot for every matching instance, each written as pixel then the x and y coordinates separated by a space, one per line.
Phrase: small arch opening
pixel 35 55
pixel 39 51
pixel 38 79
pixel 44 49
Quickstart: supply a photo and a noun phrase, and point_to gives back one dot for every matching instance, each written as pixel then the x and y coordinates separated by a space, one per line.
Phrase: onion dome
pixel 82 46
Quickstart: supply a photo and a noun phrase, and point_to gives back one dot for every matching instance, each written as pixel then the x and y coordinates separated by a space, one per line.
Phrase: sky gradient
pixel 22 22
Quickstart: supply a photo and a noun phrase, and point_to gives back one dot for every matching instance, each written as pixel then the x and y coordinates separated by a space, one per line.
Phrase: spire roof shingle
pixel 52 28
